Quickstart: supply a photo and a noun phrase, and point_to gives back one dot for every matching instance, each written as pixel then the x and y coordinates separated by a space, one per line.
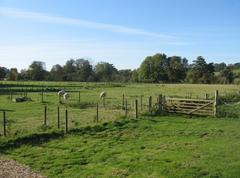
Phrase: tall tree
pixel 226 76
pixel 84 70
pixel 13 74
pixel 201 72
pixel 70 70
pixel 37 70
pixel 105 71
pixel 3 72
pixel 154 68
pixel 177 68
pixel 57 73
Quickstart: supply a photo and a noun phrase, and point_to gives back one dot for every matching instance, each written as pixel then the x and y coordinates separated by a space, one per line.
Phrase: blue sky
pixel 120 32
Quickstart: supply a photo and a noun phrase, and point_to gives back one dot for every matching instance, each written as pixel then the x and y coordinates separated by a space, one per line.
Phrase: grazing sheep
pixel 65 96
pixel 103 94
pixel 61 93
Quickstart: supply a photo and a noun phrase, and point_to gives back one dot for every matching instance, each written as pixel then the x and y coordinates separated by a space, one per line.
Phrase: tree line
pixel 158 68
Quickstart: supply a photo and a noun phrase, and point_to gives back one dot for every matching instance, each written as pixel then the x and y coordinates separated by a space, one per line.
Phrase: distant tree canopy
pixel 158 68
pixel 201 72
pixel 37 71
pixel 3 72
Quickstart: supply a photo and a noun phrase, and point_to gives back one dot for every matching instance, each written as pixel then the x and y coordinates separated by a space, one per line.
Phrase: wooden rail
pixel 192 106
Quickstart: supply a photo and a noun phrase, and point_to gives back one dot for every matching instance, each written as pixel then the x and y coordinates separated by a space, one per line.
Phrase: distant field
pixel 162 146
pixel 27 117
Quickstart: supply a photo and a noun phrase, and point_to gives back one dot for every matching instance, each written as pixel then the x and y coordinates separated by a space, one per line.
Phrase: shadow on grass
pixel 38 139
pixel 7 110
pixel 34 139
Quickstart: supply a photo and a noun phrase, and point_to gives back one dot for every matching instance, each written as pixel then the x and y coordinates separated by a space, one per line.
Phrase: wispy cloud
pixel 42 17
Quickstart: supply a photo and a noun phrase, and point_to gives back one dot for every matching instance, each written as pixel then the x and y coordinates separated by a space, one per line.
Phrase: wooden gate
pixel 190 106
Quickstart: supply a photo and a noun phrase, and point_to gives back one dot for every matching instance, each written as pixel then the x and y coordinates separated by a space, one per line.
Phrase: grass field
pixel 148 147
pixel 152 146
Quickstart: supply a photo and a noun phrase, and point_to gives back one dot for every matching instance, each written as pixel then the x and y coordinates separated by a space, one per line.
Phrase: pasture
pixel 119 146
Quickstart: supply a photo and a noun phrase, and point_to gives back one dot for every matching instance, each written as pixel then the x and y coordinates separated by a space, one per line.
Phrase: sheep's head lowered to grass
pixel 103 94
pixel 65 96
pixel 61 92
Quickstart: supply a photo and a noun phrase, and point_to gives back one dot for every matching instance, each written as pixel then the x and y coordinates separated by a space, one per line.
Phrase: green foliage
pixel 105 71
pixel 201 72
pixel 154 69
pixel 37 71
pixel 13 74
pixel 160 68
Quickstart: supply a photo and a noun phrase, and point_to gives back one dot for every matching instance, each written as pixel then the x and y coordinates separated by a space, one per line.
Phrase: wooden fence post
pixel 141 102
pixel 97 113
pixel 215 102
pixel 150 104
pixel 123 101
pixel 45 115
pixel 206 96
pixel 58 117
pixel 66 120
pixel 159 103
pixel 4 124
pixel 126 108
pixel 42 94
pixel 79 96
pixel 136 109
pixel 163 102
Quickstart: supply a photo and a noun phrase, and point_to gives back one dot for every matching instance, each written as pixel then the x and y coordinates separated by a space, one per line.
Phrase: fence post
pixel 4 124
pixel 150 104
pixel 42 94
pixel 141 102
pixel 58 117
pixel 66 120
pixel 163 102
pixel 97 113
pixel 136 109
pixel 215 102
pixel 123 101
pixel 45 115
pixel 190 95
pixel 79 96
pixel 126 108
pixel 160 103
pixel 206 96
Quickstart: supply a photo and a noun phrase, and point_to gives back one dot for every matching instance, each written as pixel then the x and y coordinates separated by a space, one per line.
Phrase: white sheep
pixel 102 96
pixel 61 93
pixel 65 96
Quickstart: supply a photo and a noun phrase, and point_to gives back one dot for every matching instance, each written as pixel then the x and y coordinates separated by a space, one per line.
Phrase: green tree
pixel 37 70
pixel 177 68
pixel 226 76
pixel 154 68
pixel 13 74
pixel 57 73
pixel 3 72
pixel 105 71
pixel 201 72
pixel 219 67
pixel 84 70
